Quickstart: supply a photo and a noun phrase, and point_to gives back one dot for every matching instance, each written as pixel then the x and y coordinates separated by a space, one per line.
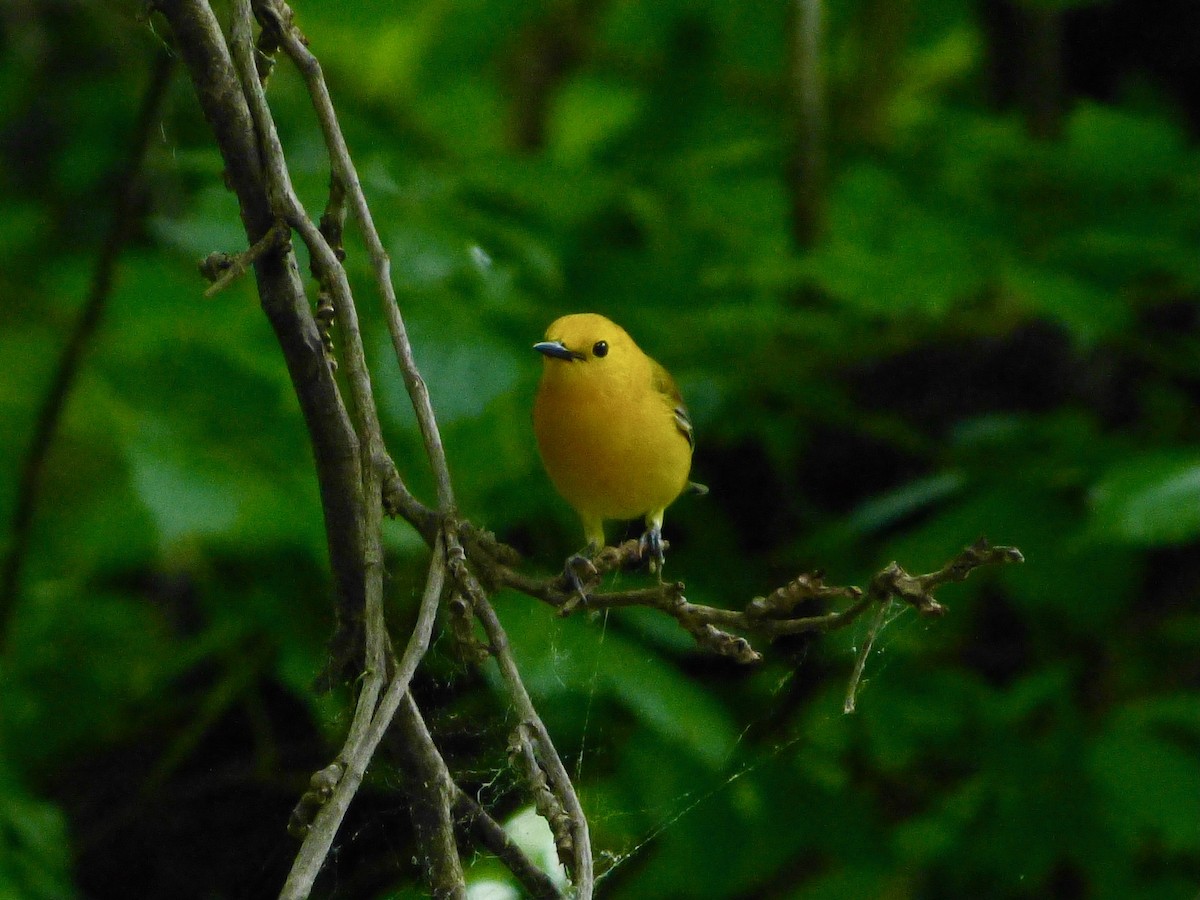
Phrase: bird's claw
pixel 575 564
pixel 651 544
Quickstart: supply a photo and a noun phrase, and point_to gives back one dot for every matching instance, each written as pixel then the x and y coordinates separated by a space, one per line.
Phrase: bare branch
pixel 223 270
pixel 360 745
pixel 489 835
pixel 275 15
pixel 547 755
pixel 203 50
pixel 771 616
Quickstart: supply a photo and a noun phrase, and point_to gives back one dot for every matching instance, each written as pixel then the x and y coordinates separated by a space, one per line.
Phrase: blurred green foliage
pixel 996 334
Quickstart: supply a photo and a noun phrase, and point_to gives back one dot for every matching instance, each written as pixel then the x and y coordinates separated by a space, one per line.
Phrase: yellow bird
pixel 612 429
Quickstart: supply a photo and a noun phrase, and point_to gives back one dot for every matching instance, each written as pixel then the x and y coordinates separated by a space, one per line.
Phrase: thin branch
pixel 223 270
pixel 336 449
pixel 124 214
pixel 358 750
pixel 276 15
pixel 488 833
pixel 860 660
pixel 560 782
pixel 771 616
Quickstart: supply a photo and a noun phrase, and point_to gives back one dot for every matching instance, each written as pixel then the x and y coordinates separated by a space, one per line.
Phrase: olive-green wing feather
pixel 665 385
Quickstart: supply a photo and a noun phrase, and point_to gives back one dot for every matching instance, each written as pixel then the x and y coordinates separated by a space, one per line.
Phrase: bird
pixel 612 430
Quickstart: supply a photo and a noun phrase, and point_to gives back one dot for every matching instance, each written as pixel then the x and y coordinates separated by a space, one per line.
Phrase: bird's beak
pixel 558 350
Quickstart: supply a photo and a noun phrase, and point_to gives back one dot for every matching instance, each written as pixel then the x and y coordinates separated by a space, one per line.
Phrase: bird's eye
pixel 600 348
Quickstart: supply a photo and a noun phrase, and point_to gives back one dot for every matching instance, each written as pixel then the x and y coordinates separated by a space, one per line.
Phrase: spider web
pixel 577 666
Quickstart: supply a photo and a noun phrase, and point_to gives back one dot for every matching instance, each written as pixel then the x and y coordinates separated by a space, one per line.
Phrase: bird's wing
pixel 665 385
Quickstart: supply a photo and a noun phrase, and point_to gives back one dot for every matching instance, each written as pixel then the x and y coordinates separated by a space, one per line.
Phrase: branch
pixel 277 17
pixel 201 45
pixel 489 835
pixel 356 754
pixel 575 848
pixel 771 617
pixel 120 226
pixel 222 269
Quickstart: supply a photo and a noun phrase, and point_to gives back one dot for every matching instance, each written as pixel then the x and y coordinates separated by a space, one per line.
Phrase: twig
pixel 548 759
pixel 860 659
pixel 489 835
pixel 771 617
pixel 222 269
pixel 274 14
pixel 69 362
pixel 357 752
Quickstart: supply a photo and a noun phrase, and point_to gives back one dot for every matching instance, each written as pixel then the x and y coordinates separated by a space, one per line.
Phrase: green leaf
pixel 888 255
pixel 1088 312
pixel 1150 500
pixel 1115 149
pixel 182 502
pixel 915 496
pixel 35 858
pixel 588 112
pixel 1152 784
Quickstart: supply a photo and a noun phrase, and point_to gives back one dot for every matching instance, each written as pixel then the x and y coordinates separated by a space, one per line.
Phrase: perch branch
pixel 770 617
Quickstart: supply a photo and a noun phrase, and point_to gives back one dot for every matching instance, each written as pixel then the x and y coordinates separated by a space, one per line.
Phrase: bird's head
pixel 587 345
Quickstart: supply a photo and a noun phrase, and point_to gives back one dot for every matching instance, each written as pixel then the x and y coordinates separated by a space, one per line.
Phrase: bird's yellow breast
pixel 609 438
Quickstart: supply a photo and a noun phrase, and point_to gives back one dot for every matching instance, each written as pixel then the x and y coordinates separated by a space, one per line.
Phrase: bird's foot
pixel 651 544
pixel 576 564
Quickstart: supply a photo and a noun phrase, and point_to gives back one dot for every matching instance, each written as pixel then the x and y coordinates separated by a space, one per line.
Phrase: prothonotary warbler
pixel 612 429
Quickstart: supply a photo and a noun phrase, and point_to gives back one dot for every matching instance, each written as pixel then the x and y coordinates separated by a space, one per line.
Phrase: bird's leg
pixel 579 563
pixel 651 544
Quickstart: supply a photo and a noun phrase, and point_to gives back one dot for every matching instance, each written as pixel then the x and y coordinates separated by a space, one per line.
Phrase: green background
pixel 996 333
